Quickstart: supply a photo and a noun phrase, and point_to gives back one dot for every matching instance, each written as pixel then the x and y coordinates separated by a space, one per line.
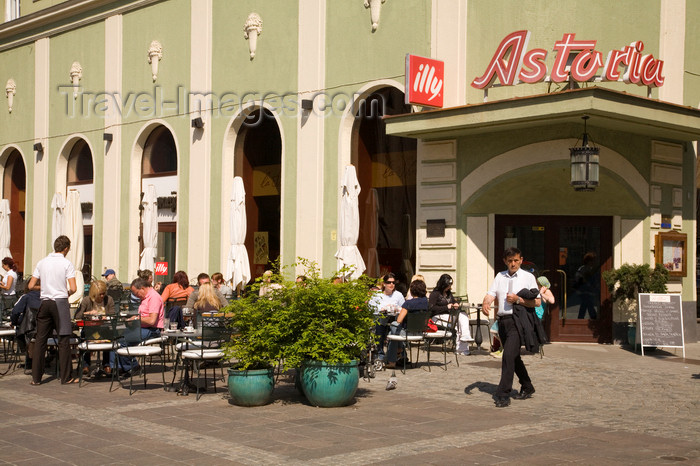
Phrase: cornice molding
pixel 60 12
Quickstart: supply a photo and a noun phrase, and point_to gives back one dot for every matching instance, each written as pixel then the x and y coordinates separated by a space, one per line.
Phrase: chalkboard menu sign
pixel 661 320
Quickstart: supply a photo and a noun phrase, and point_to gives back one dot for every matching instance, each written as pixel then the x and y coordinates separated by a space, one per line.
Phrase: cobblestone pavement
pixel 595 404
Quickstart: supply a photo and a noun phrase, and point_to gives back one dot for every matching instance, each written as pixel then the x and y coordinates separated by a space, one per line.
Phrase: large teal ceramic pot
pixel 251 387
pixel 329 385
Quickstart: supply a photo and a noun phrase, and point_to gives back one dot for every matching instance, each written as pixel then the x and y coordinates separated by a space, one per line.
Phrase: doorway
pixel 572 252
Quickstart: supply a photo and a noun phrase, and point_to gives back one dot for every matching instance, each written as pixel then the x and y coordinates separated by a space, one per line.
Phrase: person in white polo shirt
pixel 57 277
pixel 505 287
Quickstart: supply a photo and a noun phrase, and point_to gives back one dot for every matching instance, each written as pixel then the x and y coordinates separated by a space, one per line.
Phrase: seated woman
pixel 417 303
pixel 97 304
pixel 179 289
pixel 441 302
pixel 220 284
pixel 9 282
pixel 207 301
pixel 382 302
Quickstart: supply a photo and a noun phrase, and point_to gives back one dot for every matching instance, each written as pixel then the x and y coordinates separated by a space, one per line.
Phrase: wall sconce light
pixel 307 104
pixel 38 147
pixel 584 163
pixel 198 123
pixel 108 137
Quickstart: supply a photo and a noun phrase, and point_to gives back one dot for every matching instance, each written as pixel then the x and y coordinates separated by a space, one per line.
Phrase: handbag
pixel 431 327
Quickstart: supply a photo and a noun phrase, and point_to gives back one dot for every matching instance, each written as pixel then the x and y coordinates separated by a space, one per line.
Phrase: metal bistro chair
pixel 214 333
pixel 416 323
pixel 100 335
pixel 445 334
pixel 8 339
pixel 135 348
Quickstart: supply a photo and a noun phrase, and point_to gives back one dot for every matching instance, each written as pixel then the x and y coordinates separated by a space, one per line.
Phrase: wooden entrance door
pixel 572 252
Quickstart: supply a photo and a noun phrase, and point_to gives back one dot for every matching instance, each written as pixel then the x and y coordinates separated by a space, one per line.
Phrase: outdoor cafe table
pixel 180 336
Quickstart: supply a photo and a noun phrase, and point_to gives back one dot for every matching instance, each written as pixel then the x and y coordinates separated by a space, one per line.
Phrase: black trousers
pixel 46 323
pixel 511 362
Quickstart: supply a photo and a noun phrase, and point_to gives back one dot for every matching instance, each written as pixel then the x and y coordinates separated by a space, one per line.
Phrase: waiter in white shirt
pixel 57 277
pixel 505 287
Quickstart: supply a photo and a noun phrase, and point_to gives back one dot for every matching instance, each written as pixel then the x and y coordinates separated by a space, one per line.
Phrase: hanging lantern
pixel 584 163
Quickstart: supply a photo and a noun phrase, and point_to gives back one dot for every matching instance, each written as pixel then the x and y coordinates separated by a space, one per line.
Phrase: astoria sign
pixel 575 59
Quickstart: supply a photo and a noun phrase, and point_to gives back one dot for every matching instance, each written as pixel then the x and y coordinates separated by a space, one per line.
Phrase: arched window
pixel 14 189
pixel 159 154
pixel 259 163
pixel 386 170
pixel 80 164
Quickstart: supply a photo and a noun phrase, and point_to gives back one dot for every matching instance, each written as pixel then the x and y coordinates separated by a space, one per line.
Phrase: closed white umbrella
pixel 237 265
pixel 73 229
pixel 150 229
pixel 349 224
pixel 5 229
pixel 58 207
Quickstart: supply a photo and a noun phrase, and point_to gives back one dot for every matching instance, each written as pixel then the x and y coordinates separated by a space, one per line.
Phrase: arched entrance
pixel 15 191
pixel 159 168
pixel 258 160
pixel 80 177
pixel 386 169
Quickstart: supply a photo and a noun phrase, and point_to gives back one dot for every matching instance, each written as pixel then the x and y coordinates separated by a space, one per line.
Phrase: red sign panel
pixel 161 268
pixel 424 81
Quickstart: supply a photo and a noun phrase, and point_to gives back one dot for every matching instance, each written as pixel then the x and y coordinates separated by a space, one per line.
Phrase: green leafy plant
pixel 256 327
pixel 316 319
pixel 626 282
pixel 327 321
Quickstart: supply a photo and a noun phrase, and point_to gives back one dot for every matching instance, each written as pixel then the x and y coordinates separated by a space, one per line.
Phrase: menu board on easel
pixel 661 320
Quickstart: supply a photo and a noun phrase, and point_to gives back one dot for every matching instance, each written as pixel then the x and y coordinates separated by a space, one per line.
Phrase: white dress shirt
pixel 505 283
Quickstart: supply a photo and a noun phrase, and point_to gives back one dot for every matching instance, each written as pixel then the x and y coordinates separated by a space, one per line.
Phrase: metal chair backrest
pixel 172 302
pixel 214 330
pixel 132 331
pixel 103 329
pixel 416 322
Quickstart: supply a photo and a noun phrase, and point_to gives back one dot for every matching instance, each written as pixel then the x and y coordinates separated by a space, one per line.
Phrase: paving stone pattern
pixel 594 404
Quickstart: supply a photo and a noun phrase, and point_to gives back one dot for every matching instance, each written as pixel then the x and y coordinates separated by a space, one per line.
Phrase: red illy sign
pixel 575 59
pixel 424 81
pixel 161 268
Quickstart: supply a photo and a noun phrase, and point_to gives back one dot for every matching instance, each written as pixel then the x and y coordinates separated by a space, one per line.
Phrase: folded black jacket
pixel 529 326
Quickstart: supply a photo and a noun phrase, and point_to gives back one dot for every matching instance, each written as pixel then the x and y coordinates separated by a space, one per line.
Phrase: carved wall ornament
pixel 375 11
pixel 10 91
pixel 155 54
pixel 251 30
pixel 76 74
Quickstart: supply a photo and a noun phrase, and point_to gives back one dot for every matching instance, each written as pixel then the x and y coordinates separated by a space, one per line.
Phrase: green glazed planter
pixel 251 387
pixel 329 385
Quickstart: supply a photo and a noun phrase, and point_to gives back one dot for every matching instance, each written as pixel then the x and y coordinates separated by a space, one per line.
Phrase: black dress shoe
pixel 502 401
pixel 525 393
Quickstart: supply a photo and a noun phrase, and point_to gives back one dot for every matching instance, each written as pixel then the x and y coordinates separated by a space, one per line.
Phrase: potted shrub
pixel 328 324
pixel 625 284
pixel 255 345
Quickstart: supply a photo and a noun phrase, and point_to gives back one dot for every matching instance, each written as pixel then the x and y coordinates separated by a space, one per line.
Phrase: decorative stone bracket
pixel 155 54
pixel 10 91
pixel 76 74
pixel 375 11
pixel 251 30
